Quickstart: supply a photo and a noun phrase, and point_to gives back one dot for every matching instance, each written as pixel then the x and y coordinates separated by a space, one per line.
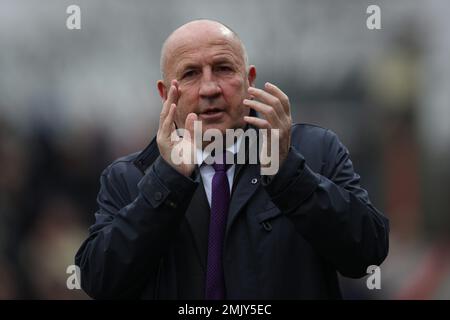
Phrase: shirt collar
pixel 234 148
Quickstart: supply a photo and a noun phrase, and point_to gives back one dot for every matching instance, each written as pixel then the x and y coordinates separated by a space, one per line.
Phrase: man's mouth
pixel 212 111
pixel 212 114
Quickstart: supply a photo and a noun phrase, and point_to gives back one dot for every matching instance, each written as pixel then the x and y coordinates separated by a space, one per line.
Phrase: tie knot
pixel 220 166
pixel 220 163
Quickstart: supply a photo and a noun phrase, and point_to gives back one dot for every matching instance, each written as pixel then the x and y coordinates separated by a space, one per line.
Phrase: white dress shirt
pixel 207 171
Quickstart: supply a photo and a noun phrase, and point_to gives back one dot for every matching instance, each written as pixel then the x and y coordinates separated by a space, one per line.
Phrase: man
pixel 180 230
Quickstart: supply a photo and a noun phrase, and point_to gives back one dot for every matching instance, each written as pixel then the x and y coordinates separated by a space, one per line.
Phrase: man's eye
pixel 224 69
pixel 189 74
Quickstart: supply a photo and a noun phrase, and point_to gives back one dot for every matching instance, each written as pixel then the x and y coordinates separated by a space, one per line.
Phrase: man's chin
pixel 222 126
pixel 219 127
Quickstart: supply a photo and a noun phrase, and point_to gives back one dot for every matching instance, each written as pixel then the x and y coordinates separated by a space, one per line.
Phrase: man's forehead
pixel 202 39
pixel 211 47
pixel 179 62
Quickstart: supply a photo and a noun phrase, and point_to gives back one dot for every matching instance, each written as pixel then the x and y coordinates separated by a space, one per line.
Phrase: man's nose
pixel 209 88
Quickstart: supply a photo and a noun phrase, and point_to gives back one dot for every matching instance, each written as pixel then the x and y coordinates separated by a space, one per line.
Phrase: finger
pixel 189 123
pixel 175 94
pixel 277 92
pixel 166 107
pixel 191 157
pixel 172 97
pixel 267 98
pixel 267 111
pixel 258 122
pixel 167 125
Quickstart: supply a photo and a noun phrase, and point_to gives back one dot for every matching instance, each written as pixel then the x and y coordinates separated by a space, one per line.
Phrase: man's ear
pixel 251 75
pixel 162 90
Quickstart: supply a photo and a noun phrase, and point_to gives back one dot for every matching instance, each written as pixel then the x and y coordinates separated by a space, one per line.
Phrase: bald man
pixel 205 228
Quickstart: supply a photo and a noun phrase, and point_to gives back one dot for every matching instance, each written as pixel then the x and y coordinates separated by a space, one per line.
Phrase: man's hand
pixel 167 126
pixel 274 105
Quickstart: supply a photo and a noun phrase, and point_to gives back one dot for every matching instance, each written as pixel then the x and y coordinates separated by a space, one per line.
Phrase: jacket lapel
pixel 197 216
pixel 246 180
pixel 246 183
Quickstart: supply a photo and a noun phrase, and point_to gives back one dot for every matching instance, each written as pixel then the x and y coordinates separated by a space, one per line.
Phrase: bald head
pixel 194 30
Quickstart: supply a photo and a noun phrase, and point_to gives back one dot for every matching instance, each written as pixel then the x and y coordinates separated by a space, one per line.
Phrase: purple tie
pixel 220 197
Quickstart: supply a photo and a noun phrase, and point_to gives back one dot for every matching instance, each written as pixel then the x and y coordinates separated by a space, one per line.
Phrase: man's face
pixel 212 80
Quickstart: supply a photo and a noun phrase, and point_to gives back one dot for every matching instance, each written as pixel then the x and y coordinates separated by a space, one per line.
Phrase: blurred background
pixel 71 101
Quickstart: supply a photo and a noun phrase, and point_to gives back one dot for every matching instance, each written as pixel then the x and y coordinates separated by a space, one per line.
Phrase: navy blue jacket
pixel 286 238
